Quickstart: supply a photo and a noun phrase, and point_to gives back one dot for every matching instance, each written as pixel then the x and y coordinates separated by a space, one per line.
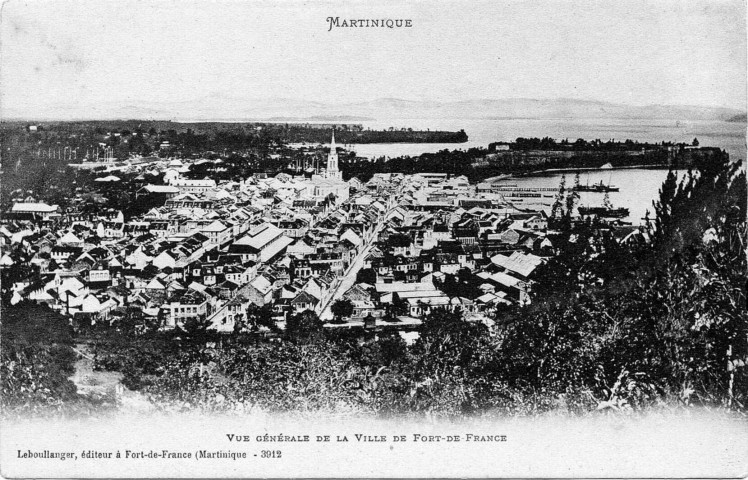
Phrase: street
pixel 349 279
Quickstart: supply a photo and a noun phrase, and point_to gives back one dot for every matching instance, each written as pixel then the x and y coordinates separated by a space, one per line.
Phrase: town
pixel 383 253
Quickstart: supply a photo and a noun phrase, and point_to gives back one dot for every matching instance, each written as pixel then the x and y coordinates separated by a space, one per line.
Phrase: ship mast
pixel 606 202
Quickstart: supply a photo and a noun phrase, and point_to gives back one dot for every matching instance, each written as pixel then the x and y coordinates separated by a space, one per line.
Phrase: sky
pixel 86 55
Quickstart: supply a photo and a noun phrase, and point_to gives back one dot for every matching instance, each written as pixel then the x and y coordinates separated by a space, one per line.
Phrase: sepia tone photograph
pixel 373 239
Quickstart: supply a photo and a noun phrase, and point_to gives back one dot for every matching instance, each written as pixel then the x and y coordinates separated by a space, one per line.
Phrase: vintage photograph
pixel 527 217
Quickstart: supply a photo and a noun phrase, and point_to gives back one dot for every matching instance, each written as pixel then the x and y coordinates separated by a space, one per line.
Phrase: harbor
pixel 636 188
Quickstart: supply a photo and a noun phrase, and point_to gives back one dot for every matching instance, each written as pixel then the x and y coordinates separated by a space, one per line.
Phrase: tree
pixel 449 286
pixel 37 358
pixel 366 275
pixel 258 316
pixel 304 327
pixel 399 305
pixel 699 249
pixel 386 350
pixel 399 240
pixel 673 322
pixel 552 345
pixel 557 210
pixel 663 206
pixel 446 340
pixel 342 308
pixel 572 198
pixel 134 322
pixel 196 328
pixel 456 360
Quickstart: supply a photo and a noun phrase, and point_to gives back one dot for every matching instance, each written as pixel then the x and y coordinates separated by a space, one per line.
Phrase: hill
pixel 218 107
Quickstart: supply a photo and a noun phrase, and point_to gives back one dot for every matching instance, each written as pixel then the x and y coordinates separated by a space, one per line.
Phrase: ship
pixel 607 210
pixel 597 188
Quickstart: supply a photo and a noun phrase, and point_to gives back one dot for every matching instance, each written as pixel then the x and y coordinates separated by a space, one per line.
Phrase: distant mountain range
pixel 218 107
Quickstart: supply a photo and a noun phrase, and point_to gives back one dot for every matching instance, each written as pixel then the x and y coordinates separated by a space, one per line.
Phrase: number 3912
pixel 270 454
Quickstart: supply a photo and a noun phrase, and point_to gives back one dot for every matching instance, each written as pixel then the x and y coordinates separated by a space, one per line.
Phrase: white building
pixel 41 209
pixel 263 241
pixel 193 186
pixel 331 179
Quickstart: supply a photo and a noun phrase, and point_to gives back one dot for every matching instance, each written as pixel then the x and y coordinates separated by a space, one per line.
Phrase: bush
pixel 37 358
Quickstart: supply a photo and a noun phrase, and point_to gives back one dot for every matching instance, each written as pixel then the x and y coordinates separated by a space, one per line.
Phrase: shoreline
pixel 508 176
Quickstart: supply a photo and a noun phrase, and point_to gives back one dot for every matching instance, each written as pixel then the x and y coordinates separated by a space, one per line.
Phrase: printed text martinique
pixel 368 23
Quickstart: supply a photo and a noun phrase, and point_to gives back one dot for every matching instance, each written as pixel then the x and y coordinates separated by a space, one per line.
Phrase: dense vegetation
pixel 74 140
pixel 453 162
pixel 37 360
pixel 525 155
pixel 580 144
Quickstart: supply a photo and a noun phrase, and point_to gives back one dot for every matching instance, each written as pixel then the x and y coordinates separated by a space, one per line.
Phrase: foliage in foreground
pixel 37 361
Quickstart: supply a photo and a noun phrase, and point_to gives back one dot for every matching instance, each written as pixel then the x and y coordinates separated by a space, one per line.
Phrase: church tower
pixel 332 161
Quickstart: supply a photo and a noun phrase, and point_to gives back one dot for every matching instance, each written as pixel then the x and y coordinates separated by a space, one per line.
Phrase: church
pixel 331 179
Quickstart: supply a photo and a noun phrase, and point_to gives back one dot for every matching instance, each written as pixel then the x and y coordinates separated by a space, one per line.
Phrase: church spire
pixel 332 159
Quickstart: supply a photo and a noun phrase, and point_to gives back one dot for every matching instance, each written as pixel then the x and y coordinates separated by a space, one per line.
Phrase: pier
pixel 524 189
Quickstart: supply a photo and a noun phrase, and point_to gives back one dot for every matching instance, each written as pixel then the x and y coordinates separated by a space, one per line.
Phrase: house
pixel 260 290
pixel 489 301
pixel 161 193
pixel 304 301
pixel 193 186
pixel 156 285
pixel 466 231
pixel 515 288
pixel 418 307
pixel 447 263
pixel 405 291
pixel 300 249
pixel 523 265
pixel 362 300
pixel 288 291
pixel 73 286
pixel 294 228
pixel 316 287
pixel 6 261
pixel 217 233
pixel 70 240
pixel 185 305
pixel 99 277
pixel 301 268
pixel 164 259
pixel 264 242
pixel 138 258
pixel 538 222
pixel 110 230
pixel 35 209
pixel 187 200
pixel 96 306
pixel 240 273
pixel 236 312
pixel 355 184
pixel 60 253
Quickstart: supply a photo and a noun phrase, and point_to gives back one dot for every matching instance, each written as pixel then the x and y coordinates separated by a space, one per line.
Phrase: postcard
pixel 411 239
